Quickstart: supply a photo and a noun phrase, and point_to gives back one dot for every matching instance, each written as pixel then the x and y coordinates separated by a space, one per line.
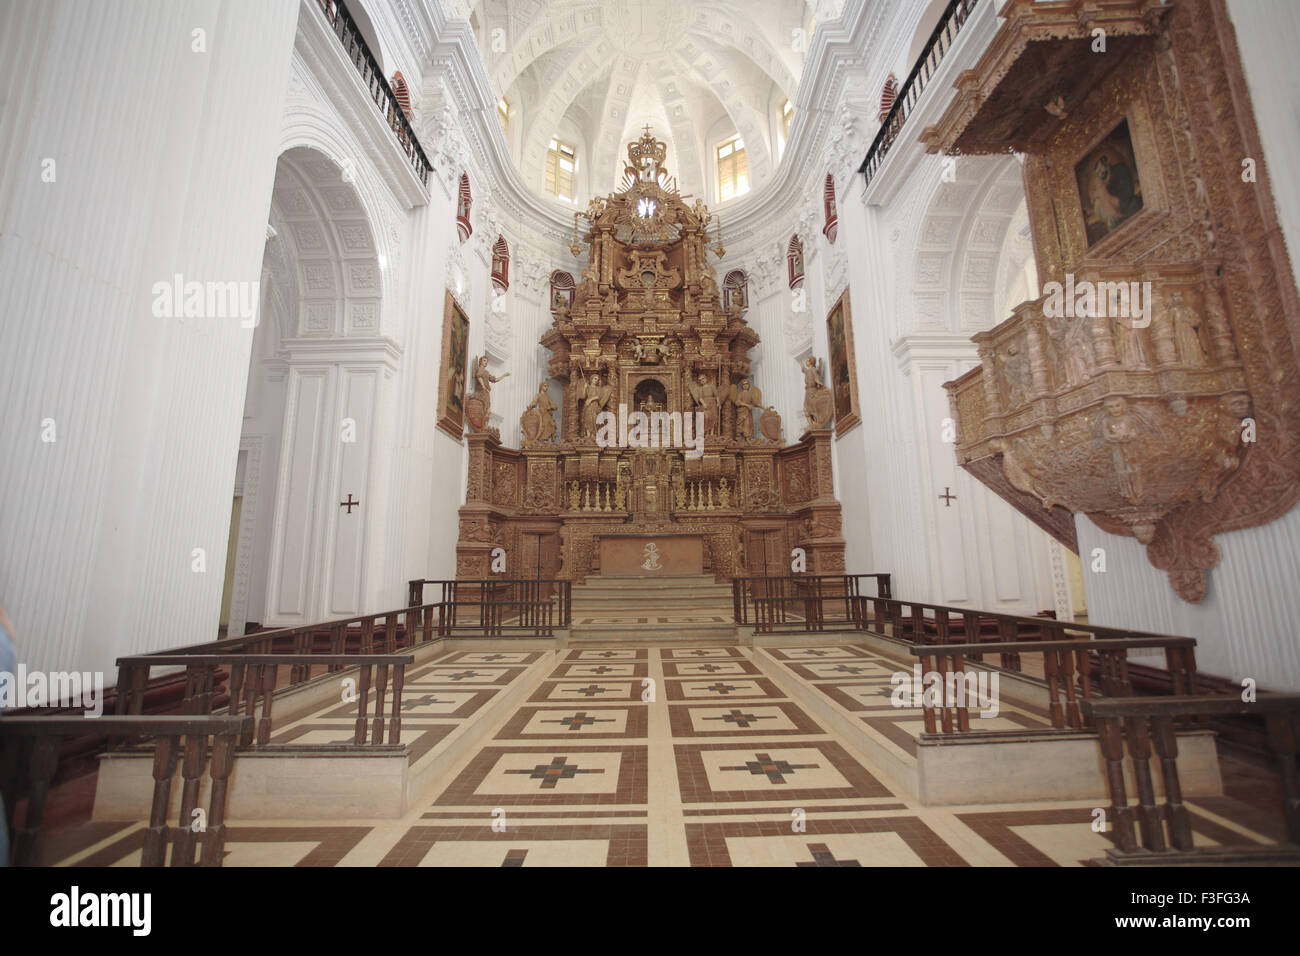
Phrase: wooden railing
pixel 927 64
pixel 1074 670
pixel 354 45
pixel 495 607
pixel 29 755
pixel 253 679
pixel 1145 724
pixel 803 602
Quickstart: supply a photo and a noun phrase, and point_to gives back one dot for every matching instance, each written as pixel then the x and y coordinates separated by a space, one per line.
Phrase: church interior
pixel 855 433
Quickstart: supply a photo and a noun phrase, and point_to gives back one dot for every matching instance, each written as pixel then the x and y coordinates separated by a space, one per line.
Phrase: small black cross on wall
pixel 349 504
pixel 948 498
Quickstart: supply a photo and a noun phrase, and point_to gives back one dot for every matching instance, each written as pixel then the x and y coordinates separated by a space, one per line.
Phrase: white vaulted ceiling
pixel 696 72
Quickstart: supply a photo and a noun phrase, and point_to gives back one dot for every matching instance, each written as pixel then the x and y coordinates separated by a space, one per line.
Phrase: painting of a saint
pixel 843 383
pixel 455 356
pixel 1110 189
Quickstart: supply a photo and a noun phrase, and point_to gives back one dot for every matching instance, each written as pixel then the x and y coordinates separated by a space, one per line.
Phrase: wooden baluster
pixel 268 693
pixel 1051 669
pixel 428 623
pixel 253 683
pixel 1083 662
pixel 390 633
pixel 1282 735
pixel 164 768
pixel 970 622
pixel 1166 742
pixel 927 709
pixel 191 689
pixel 1111 734
pixel 338 637
pixel 381 692
pixel 1148 814
pixel 44 761
pixel 223 761
pixel 962 703
pixel 1073 716
pixel 941 630
pixel 368 636
pixel 236 688
pixel 196 749
pixel 395 722
pixel 947 701
pixel 363 702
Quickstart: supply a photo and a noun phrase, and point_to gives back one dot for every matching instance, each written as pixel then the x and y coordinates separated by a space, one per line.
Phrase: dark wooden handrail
pixel 533 606
pixel 253 679
pixel 1147 724
pixel 37 738
pixel 803 602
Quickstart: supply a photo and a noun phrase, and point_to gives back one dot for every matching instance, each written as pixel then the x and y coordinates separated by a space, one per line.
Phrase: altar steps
pixel 679 608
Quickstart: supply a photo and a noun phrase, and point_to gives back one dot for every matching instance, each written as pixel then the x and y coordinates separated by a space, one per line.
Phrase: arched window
pixel 735 292
pixel 888 95
pixel 832 215
pixel 794 259
pixel 402 93
pixel 463 203
pixel 562 287
pixel 501 264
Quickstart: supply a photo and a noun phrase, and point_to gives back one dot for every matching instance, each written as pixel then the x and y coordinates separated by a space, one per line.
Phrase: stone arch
pixel 327 240
pixel 960 243
pixel 735 292
pixel 321 131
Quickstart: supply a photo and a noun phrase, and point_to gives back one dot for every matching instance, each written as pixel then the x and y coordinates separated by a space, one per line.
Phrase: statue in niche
pixel 746 398
pixel 478 406
pixel 538 420
pixel 705 395
pixel 1072 339
pixel 818 403
pixel 595 398
pixel 1016 373
pixel 1128 345
pixel 1187 331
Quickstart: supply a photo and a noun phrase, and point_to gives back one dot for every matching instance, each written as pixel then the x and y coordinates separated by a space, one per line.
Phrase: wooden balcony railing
pixel 29 755
pixel 927 64
pixel 1147 724
pixel 495 607
pixel 803 602
pixel 354 45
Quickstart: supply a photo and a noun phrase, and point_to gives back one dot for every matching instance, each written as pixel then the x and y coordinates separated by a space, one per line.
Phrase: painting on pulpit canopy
pixel 455 358
pixel 1110 189
pixel 843 379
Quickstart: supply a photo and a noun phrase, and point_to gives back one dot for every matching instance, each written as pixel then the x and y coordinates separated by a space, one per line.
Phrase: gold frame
pixel 448 420
pixel 842 422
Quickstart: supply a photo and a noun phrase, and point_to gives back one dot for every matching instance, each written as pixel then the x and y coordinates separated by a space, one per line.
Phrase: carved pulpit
pixel 644 356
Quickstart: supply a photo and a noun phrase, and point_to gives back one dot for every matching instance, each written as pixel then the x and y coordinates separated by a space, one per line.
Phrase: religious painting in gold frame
pixel 842 374
pixel 1110 188
pixel 455 363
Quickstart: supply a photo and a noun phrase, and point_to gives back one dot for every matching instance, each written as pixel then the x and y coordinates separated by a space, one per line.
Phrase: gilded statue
pixel 705 395
pixel 538 420
pixel 595 398
pixel 478 406
pixel 746 398
pixel 818 404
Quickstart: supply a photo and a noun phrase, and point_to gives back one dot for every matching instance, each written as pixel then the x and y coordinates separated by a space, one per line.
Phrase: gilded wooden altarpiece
pixel 646 330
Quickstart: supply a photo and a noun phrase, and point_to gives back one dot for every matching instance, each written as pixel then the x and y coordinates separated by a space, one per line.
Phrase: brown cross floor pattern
pixel 681 766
